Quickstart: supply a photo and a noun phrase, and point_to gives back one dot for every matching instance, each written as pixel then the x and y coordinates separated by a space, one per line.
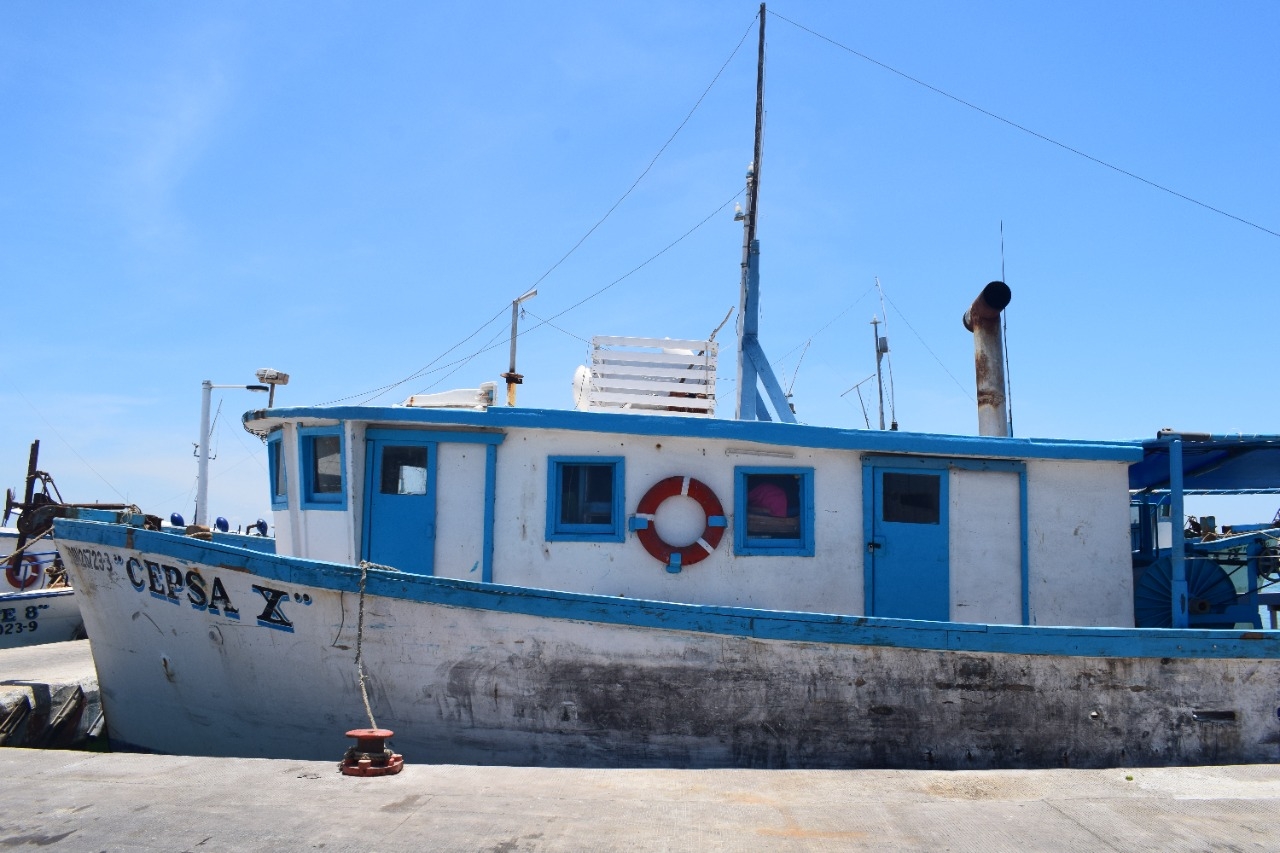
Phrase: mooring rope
pixel 44 535
pixel 364 690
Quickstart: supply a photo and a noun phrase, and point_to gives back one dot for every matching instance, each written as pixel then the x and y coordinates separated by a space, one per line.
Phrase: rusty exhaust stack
pixel 983 319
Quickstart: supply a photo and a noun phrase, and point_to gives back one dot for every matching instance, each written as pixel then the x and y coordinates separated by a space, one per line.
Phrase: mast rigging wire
pixel 1028 130
pixel 647 168
pixel 374 393
pixel 584 299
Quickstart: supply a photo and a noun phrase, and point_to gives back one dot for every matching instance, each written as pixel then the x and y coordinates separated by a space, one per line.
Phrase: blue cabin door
pixel 907 539
pixel 400 502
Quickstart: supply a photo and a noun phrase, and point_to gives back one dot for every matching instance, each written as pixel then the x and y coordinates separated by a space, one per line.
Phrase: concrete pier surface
pixel 62 800
pixel 48 695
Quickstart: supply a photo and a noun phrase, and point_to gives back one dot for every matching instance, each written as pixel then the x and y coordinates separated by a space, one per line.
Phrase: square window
pixel 404 470
pixel 912 498
pixel 584 499
pixel 323 461
pixel 774 511
pixel 278 472
pixel 326 464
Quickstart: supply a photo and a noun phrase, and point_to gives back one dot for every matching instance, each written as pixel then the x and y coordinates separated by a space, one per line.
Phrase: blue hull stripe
pixel 729 621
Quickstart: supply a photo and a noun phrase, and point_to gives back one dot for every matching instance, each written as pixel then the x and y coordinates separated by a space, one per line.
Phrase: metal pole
pixel 202 448
pixel 1177 541
pixel 28 495
pixel 875 330
pixel 513 378
pixel 202 454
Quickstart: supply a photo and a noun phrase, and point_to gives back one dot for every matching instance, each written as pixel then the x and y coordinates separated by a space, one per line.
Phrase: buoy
pixel 647 533
pixel 370 757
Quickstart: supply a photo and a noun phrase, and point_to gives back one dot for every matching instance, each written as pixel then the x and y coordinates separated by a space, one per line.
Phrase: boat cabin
pixel 672 505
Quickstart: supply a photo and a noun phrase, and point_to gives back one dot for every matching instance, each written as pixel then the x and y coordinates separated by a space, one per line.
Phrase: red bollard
pixel 370 757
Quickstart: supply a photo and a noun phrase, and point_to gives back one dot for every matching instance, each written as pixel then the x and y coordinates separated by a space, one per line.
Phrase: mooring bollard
pixel 370 757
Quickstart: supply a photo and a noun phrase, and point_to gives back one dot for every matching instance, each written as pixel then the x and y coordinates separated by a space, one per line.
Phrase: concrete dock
pixel 65 800
pixel 48 695
pixel 85 801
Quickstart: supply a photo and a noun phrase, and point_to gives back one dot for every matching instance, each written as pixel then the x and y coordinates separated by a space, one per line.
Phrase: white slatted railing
pixel 653 376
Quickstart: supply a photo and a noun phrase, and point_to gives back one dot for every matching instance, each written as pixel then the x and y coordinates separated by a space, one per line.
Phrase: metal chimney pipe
pixel 983 319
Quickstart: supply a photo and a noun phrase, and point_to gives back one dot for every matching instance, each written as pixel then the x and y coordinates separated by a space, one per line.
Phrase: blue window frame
pixel 278 472
pixel 323 458
pixel 584 499
pixel 773 511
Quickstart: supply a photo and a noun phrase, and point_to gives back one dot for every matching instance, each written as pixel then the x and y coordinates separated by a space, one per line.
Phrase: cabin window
pixel 323 462
pixel 404 470
pixel 912 498
pixel 278 473
pixel 584 499
pixel 773 511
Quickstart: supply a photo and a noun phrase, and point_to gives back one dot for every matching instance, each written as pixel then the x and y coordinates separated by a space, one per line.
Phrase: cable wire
pixel 964 390
pixel 647 168
pixel 375 393
pixel 543 322
pixel 1027 130
pixel 69 447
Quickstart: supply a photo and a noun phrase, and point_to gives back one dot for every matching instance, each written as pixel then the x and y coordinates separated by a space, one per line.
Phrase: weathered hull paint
pixel 211 650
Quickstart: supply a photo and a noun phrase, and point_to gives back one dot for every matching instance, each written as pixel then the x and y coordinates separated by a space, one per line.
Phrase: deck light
pixel 271 376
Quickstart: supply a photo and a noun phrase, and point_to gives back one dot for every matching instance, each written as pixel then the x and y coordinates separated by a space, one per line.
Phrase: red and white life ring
pixel 24 573
pixel 675 558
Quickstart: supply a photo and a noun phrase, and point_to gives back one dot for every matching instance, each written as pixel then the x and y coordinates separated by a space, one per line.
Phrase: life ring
pixel 647 533
pixel 20 579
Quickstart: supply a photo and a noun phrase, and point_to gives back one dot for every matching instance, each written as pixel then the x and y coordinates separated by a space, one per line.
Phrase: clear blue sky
pixel 344 191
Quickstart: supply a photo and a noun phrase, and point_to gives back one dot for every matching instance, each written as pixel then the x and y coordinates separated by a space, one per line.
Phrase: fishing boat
pixel 635 582
pixel 36 604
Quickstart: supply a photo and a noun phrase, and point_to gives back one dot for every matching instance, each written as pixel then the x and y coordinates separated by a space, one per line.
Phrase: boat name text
pixel 170 583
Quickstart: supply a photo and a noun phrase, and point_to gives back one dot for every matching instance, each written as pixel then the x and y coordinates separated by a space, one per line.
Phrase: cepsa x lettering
pixel 169 583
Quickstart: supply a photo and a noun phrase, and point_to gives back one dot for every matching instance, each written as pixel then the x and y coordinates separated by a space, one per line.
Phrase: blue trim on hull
pixel 791 435
pixel 26 596
pixel 730 621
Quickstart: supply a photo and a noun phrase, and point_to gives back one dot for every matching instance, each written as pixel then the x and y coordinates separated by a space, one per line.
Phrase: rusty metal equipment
pixel 36 512
pixel 983 319
pixel 370 756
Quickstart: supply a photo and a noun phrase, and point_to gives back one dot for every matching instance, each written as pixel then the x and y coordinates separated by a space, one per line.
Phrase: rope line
pixel 364 690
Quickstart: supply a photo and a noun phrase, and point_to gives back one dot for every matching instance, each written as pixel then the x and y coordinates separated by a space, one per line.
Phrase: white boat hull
pixel 211 650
